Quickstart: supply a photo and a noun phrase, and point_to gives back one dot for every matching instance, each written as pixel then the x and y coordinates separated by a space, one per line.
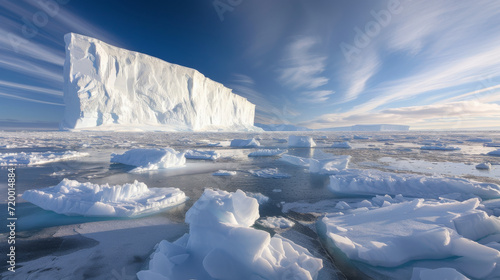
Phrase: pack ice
pixel 73 198
pixel 150 159
pixel 110 88
pixel 222 245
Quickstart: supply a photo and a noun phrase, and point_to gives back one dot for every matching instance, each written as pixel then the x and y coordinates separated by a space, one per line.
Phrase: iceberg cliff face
pixel 110 88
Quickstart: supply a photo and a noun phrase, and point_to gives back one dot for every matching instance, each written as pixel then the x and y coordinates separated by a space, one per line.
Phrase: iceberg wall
pixel 110 88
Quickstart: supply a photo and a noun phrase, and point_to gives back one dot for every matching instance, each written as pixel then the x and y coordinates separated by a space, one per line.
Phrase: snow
pixel 150 159
pixel 372 182
pixel 484 166
pixel 276 223
pixel 267 153
pixel 222 245
pixel 71 197
pixel 330 165
pixel 440 147
pixel 245 143
pixel 494 153
pixel 196 154
pixel 437 233
pixel 300 141
pixel 37 158
pixel 341 145
pixel 444 273
pixel 269 173
pixel 110 88
pixel 224 173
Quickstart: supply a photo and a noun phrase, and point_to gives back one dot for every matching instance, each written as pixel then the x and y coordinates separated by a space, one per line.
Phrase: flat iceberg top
pixel 222 245
pixel 110 88
pixel 37 158
pixel 73 198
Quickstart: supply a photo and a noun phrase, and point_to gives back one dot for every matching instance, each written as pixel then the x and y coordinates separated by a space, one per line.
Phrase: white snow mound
pixel 222 245
pixel 150 159
pixel 73 198
pixel 110 88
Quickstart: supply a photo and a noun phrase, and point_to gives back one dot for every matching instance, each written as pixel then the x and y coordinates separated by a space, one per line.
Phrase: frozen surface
pixel 341 145
pixel 224 173
pixel 441 233
pixel 269 173
pixel 301 141
pixel 197 154
pixel 150 159
pixel 37 158
pixel 222 245
pixel 276 222
pixel 444 273
pixel 372 182
pixel 267 153
pixel 109 88
pixel 439 147
pixel 73 198
pixel 245 143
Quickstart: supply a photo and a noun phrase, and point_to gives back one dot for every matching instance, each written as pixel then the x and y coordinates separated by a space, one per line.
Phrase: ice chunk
pixel 276 222
pixel 150 159
pixel 301 141
pixel 267 153
pixel 73 198
pixel 224 173
pixel 341 145
pixel 295 160
pixel 262 199
pixel 440 147
pixel 373 182
pixel 484 166
pixel 221 245
pixel 494 153
pixel 330 165
pixel 196 154
pixel 246 143
pixel 418 230
pixel 443 273
pixel 37 158
pixel 110 88
pixel 269 173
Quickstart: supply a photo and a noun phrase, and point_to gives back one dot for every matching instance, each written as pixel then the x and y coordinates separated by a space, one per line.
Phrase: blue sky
pixel 320 64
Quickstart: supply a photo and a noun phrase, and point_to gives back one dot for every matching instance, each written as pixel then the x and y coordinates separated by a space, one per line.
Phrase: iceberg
pixel 484 166
pixel 37 158
pixel 110 88
pixel 494 153
pixel 150 159
pixel 372 182
pixel 300 141
pixel 269 173
pixel 196 154
pixel 267 153
pixel 71 197
pixel 419 233
pixel 222 245
pixel 276 223
pixel 331 165
pixel 341 145
pixel 245 143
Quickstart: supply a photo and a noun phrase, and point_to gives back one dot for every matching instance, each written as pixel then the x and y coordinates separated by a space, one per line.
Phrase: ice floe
pixel 484 166
pixel 71 197
pixel 301 141
pixel 373 182
pixel 222 245
pixel 197 154
pixel 269 173
pixel 494 153
pixel 439 147
pixel 224 173
pixel 276 223
pixel 37 158
pixel 341 145
pixel 267 152
pixel 245 143
pixel 330 165
pixel 150 159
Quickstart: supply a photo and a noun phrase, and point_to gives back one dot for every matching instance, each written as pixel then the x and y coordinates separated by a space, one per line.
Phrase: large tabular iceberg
pixel 222 245
pixel 73 198
pixel 110 88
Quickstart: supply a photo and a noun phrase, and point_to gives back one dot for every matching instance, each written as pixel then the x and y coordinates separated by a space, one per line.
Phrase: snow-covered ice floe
pixel 261 199
pixel 373 182
pixel 224 173
pixel 439 147
pixel 267 153
pixel 484 166
pixel 37 158
pixel 222 245
pixel 150 159
pixel 494 153
pixel 196 154
pixel 301 141
pixel 331 165
pixel 341 145
pixel 418 234
pixel 71 197
pixel 276 222
pixel 269 173
pixel 245 143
